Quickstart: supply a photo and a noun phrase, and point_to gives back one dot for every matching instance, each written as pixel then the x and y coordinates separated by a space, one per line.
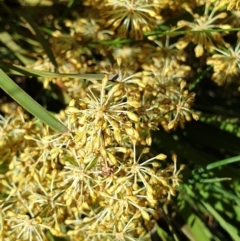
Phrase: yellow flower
pixel 226 64
pixel 88 28
pixel 130 18
pixel 204 38
pixel 25 227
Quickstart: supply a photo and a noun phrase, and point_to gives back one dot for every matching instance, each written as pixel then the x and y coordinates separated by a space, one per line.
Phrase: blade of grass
pixel 225 193
pixel 230 229
pixel 195 229
pixel 214 180
pixel 8 41
pixel 116 41
pixel 182 32
pixel 192 197
pixel 223 162
pixel 163 234
pixel 37 33
pixel 29 104
pixel 20 70
pixel 71 4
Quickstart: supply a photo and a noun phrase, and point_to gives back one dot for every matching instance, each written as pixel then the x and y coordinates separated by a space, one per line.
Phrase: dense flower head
pixel 226 64
pixel 102 195
pixel 203 39
pixel 101 180
pixel 131 18
pixel 98 180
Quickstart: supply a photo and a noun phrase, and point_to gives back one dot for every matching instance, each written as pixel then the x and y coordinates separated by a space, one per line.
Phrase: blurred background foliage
pixel 207 205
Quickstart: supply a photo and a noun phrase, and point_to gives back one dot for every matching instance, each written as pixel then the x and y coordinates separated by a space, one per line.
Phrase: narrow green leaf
pixel 35 30
pixel 20 70
pixel 70 6
pixel 195 229
pixel 28 103
pixel 230 229
pixel 236 211
pixel 223 162
pixel 163 234
pixel 182 32
pixel 116 41
pixel 225 193
pixel 8 41
pixel 214 180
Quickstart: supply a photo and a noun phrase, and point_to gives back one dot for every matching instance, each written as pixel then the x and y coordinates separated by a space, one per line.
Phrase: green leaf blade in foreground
pixel 29 104
pixel 20 70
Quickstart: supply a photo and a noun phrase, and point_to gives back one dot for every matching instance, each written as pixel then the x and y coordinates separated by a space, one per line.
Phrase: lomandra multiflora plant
pixel 100 179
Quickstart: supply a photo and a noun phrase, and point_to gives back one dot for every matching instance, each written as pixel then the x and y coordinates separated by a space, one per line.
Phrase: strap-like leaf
pixel 29 104
pixel 35 30
pixel 20 70
pixel 223 162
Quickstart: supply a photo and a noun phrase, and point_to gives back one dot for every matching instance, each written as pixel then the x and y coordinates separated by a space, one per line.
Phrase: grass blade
pixel 37 33
pixel 223 162
pixel 9 42
pixel 29 104
pixel 225 193
pixel 195 229
pixel 163 234
pixel 20 70
pixel 230 229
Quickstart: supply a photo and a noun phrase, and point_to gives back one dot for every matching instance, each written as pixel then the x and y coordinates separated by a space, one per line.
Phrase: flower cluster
pixel 98 181
pixel 226 64
pixel 101 180
pixel 203 38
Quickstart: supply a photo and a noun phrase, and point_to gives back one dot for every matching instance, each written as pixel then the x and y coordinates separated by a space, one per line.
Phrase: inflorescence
pixel 100 180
